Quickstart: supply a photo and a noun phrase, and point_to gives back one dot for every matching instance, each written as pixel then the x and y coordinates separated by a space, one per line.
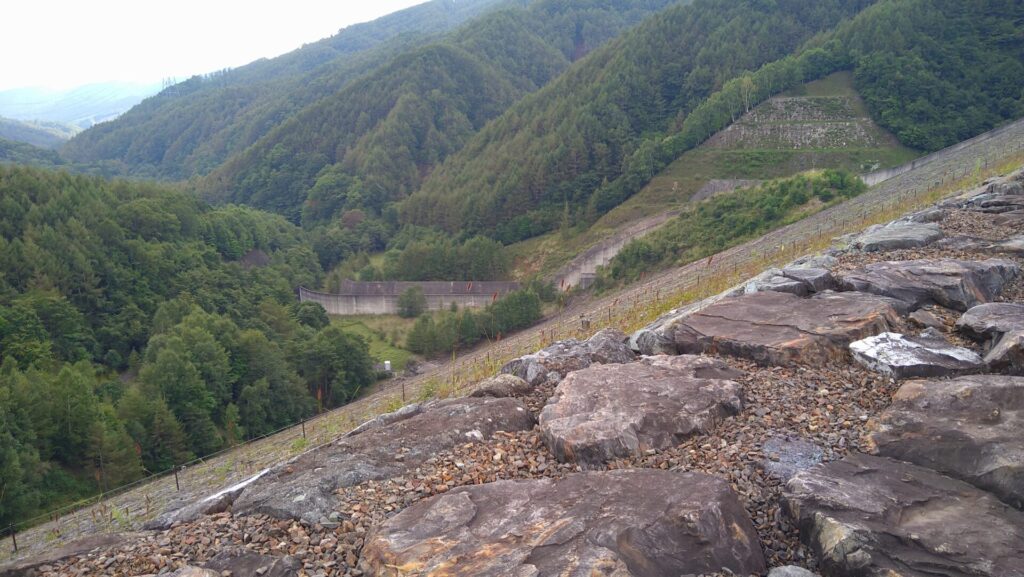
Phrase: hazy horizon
pixel 114 41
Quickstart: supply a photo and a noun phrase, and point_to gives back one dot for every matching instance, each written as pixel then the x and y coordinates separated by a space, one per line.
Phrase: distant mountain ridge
pixel 190 128
pixel 37 133
pixel 81 107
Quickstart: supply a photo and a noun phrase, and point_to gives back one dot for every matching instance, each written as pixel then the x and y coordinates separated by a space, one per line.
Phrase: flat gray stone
pixel 1012 247
pixel 898 236
pixel 905 356
pixel 785 456
pixel 970 428
pixel 954 284
pixel 990 321
pixel 778 328
pixel 190 510
pixel 304 487
pixel 1011 219
pixel 779 284
pixel 816 279
pixel 503 385
pixel 642 522
pixel 563 357
pixel 870 516
pixel 791 571
pixel 609 411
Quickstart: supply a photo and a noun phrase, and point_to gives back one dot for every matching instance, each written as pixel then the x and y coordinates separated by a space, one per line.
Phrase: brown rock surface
pixel 609 411
pixel 303 488
pixel 777 328
pixel 954 284
pixel 617 523
pixel 870 516
pixel 989 321
pixel 971 428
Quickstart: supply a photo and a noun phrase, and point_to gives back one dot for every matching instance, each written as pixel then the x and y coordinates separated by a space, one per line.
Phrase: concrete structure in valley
pixel 381 298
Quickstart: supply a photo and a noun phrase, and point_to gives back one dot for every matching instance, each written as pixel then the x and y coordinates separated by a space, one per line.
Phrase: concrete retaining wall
pixel 381 298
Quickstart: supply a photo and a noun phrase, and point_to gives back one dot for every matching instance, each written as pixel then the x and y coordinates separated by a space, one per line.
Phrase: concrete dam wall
pixel 381 298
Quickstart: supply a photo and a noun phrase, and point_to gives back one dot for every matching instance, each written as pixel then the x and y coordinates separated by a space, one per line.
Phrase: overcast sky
pixel 67 43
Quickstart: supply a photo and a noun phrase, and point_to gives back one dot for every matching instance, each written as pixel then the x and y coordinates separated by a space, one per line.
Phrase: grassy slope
pixel 673 187
pixel 370 328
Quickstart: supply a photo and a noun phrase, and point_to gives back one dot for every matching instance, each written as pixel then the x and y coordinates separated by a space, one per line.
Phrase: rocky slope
pixel 749 437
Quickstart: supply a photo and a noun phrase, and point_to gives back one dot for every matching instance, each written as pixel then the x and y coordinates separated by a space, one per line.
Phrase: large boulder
pixel 304 487
pixel 971 428
pixel 904 356
pixel 643 523
pixel 898 236
pixel 563 357
pixel 954 284
pixel 990 321
pixel 609 411
pixel 870 516
pixel 778 328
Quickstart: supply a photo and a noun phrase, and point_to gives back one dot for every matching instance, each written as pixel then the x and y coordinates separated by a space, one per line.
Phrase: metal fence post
pixel 177 485
pixel 14 538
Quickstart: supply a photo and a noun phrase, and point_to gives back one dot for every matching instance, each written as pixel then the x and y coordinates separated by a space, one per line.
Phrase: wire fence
pixel 128 506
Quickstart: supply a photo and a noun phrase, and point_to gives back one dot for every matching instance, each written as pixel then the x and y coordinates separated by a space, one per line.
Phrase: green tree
pixel 412 302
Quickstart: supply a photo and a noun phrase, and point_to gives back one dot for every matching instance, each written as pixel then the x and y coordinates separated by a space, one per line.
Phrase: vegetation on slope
pixel 729 219
pixel 41 134
pixel 192 127
pixel 139 328
pixel 605 128
pixel 374 141
pixel 559 145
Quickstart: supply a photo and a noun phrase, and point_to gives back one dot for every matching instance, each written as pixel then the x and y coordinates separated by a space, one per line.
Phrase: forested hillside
pixel 193 126
pixel 373 142
pixel 598 134
pixel 140 328
pixel 41 134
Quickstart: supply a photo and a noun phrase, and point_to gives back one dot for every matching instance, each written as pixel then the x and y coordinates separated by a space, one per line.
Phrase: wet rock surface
pixel 777 328
pixel 954 284
pixel 878 517
pixel 898 236
pixel 970 428
pixel 640 522
pixel 303 488
pixel 610 411
pixel 903 356
pixel 561 358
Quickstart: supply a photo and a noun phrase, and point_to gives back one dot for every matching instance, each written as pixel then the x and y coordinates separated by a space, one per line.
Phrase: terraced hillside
pixel 823 124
